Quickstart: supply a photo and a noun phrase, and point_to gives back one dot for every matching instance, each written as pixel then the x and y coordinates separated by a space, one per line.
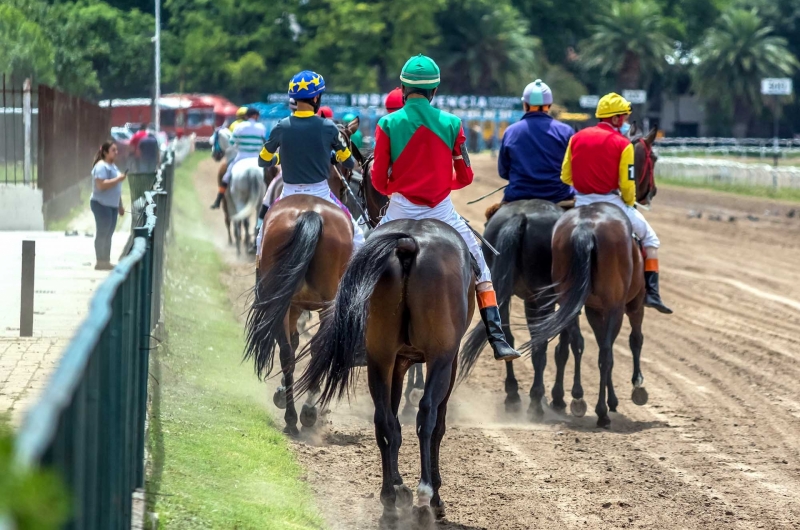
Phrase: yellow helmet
pixel 241 112
pixel 612 105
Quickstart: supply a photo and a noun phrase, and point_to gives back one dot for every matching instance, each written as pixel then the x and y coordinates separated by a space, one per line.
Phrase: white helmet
pixel 537 94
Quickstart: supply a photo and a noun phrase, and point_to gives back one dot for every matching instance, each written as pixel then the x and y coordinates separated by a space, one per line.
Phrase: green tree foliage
pixel 629 43
pixel 25 50
pixel 735 55
pixel 485 47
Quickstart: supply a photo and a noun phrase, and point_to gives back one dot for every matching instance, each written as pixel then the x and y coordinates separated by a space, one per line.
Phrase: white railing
pixel 727 172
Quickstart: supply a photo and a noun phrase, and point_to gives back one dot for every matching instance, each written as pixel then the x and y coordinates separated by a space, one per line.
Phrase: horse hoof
pixel 639 396
pixel 388 521
pixel 423 518
pixel 409 412
pixel 404 497
pixel 308 415
pixel 604 422
pixel 279 398
pixel 513 407
pixel 558 406
pixel 578 408
pixel 439 511
pixel 415 397
pixel 535 411
pixel 291 430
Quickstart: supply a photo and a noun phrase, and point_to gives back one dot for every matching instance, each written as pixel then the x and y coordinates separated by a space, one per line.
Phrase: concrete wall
pixel 683 109
pixel 21 208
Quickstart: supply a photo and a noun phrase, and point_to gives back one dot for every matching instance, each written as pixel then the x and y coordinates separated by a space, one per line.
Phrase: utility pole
pixel 157 90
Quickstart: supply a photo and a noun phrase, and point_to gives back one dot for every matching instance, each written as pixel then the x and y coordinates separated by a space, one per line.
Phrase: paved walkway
pixel 65 281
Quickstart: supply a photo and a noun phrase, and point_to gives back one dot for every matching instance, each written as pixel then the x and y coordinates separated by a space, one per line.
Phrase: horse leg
pixel 237 234
pixel 409 408
pixel 578 405
pixel 613 402
pixel 513 403
pixel 605 326
pixel 398 375
pixel 561 356
pixel 246 223
pixel 380 378
pixel 222 169
pixel 437 388
pixel 635 317
pixel 287 366
pixel 539 360
pixel 438 433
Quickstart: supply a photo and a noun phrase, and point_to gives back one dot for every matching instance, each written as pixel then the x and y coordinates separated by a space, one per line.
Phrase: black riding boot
pixel 653 298
pixel 218 201
pixel 497 339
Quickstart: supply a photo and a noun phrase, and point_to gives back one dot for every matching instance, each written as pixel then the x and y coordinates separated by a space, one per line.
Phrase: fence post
pixel 27 174
pixel 26 289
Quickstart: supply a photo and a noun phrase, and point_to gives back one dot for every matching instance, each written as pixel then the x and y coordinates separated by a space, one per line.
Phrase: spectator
pixel 148 153
pixel 106 202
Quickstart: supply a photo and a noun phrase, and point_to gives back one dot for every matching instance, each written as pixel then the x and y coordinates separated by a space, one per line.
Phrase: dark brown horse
pixel 304 252
pixel 521 232
pixel 408 296
pixel 597 265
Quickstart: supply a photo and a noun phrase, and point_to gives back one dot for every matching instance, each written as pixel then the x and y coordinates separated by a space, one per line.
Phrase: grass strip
pixel 766 192
pixel 218 458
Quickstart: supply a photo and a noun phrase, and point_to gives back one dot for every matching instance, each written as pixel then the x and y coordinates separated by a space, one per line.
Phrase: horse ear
pixel 651 136
pixel 352 127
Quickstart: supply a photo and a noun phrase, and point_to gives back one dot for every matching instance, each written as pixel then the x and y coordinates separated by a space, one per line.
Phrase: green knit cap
pixel 420 72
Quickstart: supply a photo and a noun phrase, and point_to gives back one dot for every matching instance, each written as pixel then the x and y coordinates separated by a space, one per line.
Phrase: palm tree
pixel 628 42
pixel 734 57
pixel 485 48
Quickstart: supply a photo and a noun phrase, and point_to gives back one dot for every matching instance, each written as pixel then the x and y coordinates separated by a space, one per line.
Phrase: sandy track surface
pixel 717 446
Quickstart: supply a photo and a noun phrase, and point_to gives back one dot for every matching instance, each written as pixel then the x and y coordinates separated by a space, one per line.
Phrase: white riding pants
pixel 401 208
pixel 324 192
pixel 641 227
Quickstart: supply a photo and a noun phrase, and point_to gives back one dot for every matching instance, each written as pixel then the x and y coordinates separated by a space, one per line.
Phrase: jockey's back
pixel 530 158
pixel 305 141
pixel 248 137
pixel 422 145
pixel 599 160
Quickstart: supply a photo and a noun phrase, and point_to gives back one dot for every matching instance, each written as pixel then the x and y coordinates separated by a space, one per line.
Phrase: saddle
pixel 491 210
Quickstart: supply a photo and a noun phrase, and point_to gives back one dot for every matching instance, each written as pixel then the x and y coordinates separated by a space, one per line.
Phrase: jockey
pixel 241 112
pixel 394 100
pixel 417 149
pixel 248 138
pixel 599 165
pixel 532 151
pixel 357 139
pixel 305 141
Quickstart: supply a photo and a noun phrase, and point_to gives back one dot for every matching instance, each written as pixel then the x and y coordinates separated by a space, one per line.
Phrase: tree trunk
pixel 741 118
pixel 630 73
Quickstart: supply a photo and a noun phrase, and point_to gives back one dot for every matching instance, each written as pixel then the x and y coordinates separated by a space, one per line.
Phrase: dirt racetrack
pixel 717 446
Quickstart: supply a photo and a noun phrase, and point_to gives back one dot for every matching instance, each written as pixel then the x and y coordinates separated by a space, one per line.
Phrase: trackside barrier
pixel 89 423
pixel 727 172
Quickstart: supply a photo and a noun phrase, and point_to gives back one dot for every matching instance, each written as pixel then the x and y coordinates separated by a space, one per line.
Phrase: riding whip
pixel 482 239
pixel 363 214
pixel 487 195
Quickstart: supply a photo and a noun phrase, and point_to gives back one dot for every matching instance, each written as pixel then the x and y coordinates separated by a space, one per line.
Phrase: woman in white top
pixel 106 202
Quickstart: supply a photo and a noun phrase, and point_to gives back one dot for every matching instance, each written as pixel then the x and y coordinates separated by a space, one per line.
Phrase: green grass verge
pixel 782 194
pixel 218 459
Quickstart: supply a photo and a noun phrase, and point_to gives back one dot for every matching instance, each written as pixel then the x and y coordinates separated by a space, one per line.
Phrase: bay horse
pixel 599 266
pixel 373 203
pixel 521 232
pixel 305 248
pixel 407 296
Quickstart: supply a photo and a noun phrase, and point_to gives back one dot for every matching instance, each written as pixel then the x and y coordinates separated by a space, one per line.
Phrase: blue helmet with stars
pixel 306 85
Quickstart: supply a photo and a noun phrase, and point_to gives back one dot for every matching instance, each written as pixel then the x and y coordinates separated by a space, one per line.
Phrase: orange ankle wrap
pixel 486 299
pixel 651 265
pixel 221 189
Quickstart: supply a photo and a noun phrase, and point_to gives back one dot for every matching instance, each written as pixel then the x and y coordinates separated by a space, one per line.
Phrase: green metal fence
pixel 89 423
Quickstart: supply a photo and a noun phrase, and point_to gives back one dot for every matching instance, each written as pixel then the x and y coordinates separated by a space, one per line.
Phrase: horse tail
pixel 254 180
pixel 579 279
pixel 273 293
pixel 508 244
pixel 339 342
